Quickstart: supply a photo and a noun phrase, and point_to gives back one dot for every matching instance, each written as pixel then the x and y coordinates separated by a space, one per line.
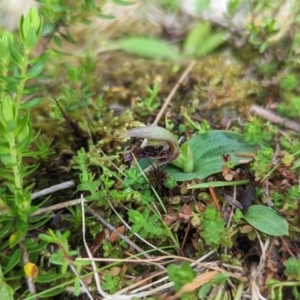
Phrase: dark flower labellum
pixel 147 152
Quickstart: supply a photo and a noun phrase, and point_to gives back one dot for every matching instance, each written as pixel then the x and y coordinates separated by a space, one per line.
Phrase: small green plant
pixel 180 275
pixel 110 283
pixel 290 107
pixel 259 35
pixel 288 200
pixel 58 14
pixel 144 224
pixel 133 179
pixel 87 182
pixel 213 226
pixel 63 257
pixel 148 105
pixel 292 268
pixel 201 156
pixel 256 133
pixel 262 163
pixel 201 128
pixel 16 133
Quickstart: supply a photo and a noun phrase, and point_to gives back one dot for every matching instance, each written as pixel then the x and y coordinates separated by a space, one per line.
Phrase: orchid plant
pixel 199 157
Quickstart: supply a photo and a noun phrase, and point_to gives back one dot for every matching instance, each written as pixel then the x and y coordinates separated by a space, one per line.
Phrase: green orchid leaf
pixel 266 220
pixel 149 47
pixel 208 152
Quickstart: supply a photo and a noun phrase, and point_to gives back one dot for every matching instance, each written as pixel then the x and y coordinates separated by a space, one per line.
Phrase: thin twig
pixel 174 90
pixel 113 229
pixel 139 283
pixel 149 288
pixel 52 189
pixel 269 116
pixel 166 259
pixel 83 286
pixel 97 280
pixel 56 207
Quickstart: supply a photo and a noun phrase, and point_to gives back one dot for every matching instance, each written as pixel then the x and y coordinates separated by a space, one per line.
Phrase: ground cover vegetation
pixel 143 160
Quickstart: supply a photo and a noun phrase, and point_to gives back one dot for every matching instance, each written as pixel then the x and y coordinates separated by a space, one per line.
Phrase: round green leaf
pixel 6 291
pixel 208 150
pixel 266 220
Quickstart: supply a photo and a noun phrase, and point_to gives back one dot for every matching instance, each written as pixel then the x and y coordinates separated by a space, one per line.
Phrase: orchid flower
pixel 161 144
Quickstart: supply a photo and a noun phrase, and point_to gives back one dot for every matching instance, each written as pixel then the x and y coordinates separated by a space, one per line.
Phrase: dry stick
pixel 210 266
pixel 84 288
pixel 56 207
pixel 96 277
pixel 174 90
pixel 139 283
pixel 268 115
pixel 52 189
pixel 113 229
pixel 166 259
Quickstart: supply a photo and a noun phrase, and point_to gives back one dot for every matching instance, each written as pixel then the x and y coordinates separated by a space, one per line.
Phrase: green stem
pixel 15 163
pixel 270 172
pixel 186 164
pixel 221 294
pixel 23 80
pixel 195 125
pixel 185 159
pixel 239 291
pixel 285 284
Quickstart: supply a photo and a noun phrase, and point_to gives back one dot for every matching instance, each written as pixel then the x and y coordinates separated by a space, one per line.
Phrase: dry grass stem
pixel 53 189
pixel 56 207
pixel 113 229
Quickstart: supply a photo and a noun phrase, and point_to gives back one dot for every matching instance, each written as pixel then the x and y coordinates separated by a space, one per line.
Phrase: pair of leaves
pixel 199 42
pixel 208 150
